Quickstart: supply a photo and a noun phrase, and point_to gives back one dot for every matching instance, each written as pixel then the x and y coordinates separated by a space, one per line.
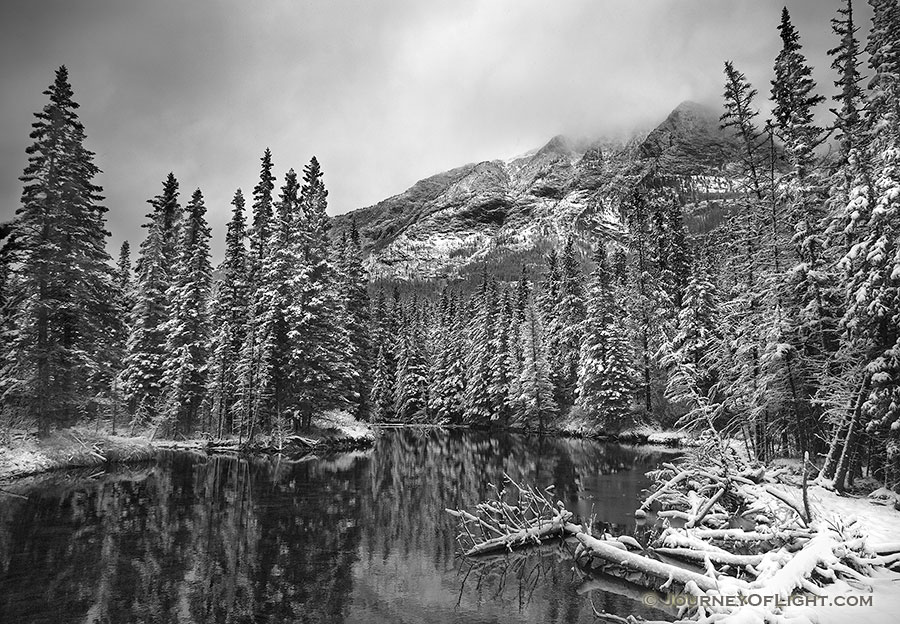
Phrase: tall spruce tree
pixel 570 314
pixel 606 375
pixel 320 356
pixel 691 356
pixel 552 322
pixel 125 287
pixel 381 398
pixel 448 377
pixel 230 318
pixel 807 323
pixel 872 263
pixel 146 346
pixel 357 321
pixel 411 384
pixel 123 271
pixel 478 364
pixel 57 354
pixel 500 363
pixel 262 217
pixel 276 398
pixel 535 404
pixel 187 347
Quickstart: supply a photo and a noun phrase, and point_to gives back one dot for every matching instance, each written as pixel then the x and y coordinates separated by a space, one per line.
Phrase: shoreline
pixel 647 436
pixel 80 447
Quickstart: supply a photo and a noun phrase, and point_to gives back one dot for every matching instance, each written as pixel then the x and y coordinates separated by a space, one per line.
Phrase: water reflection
pixel 359 537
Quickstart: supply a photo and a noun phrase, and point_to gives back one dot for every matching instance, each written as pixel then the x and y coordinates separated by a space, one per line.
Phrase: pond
pixel 355 537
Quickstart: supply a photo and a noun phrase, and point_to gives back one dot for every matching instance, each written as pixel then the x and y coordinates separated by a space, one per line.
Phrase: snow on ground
pixel 885 607
pixel 344 425
pixel 880 524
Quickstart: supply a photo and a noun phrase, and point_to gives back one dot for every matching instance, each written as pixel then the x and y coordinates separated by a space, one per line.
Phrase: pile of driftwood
pixel 734 539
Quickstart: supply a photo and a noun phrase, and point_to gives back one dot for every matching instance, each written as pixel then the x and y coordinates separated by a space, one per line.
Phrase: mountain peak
pixel 559 144
pixel 690 135
pixel 690 117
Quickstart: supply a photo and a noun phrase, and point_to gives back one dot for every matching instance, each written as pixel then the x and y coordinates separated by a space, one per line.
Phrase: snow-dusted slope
pixel 505 212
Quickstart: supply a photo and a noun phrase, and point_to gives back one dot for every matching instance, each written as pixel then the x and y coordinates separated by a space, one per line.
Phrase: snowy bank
pixel 23 453
pixel 638 435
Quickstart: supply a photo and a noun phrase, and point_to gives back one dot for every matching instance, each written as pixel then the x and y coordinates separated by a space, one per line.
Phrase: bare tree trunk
pixel 842 435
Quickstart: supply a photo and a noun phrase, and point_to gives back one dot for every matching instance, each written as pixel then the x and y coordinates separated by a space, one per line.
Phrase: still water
pixel 356 537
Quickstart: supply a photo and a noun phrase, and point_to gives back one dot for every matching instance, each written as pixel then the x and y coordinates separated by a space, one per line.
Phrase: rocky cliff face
pixel 505 212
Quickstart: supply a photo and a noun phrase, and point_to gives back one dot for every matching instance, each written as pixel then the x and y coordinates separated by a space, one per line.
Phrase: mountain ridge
pixel 497 211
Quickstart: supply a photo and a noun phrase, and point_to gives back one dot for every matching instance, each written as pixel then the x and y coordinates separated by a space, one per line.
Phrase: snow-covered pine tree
pixel 690 356
pixel 259 235
pixel 794 98
pixel 756 230
pixel 514 355
pixel 850 97
pixel 448 373
pixel 166 206
pixel 606 375
pixel 535 402
pixel 276 396
pixel 501 373
pixel 230 317
pixel 411 383
pixel 382 338
pixel 872 315
pixel 57 355
pixel 849 123
pixel 320 355
pixel 357 321
pixel 187 347
pixel 643 295
pixel 845 381
pixel 146 355
pixel 478 363
pixel 571 313
pixel 381 398
pixel 808 318
pixel 123 276
pixel 124 304
pixel 551 293
pixel 263 212
pixel 676 262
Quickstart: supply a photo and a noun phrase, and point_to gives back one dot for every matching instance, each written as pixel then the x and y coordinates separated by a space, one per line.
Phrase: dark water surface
pixel 357 537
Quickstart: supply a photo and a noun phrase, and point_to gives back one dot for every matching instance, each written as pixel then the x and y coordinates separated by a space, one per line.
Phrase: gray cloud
pixel 383 93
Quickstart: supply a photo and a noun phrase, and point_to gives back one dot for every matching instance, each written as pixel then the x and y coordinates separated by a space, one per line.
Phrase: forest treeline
pixel 779 325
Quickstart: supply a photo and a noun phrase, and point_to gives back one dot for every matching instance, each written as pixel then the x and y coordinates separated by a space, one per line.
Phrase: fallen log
pixel 532 535
pixel 724 558
pixel 640 563
pixel 668 485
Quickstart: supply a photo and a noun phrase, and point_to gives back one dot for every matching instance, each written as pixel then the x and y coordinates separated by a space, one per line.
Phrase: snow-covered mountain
pixel 505 212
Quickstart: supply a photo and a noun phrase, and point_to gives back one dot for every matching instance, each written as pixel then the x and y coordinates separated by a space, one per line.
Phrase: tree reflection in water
pixel 358 537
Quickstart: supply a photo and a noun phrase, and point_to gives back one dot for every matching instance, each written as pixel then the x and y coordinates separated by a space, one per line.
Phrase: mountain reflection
pixel 358 537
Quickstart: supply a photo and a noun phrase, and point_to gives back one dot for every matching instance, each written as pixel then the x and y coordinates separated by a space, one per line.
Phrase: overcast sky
pixel 383 93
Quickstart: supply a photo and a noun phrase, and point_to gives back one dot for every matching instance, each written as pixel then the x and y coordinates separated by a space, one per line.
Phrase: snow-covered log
pixel 640 563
